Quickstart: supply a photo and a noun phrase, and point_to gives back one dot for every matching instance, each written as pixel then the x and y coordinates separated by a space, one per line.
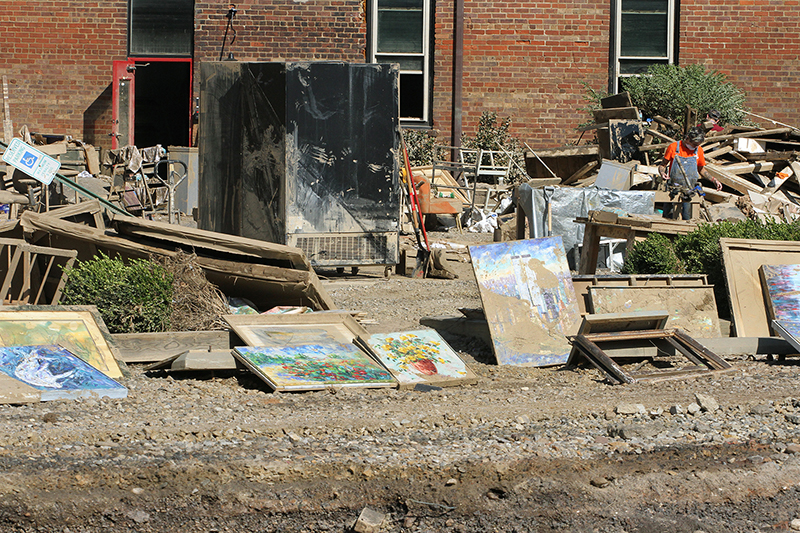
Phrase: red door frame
pixel 125 72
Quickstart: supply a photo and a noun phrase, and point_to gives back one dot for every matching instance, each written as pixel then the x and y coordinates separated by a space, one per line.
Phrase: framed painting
pixel 528 298
pixel 306 328
pixel 781 284
pixel 306 367
pixel 789 330
pixel 421 356
pixel 57 373
pixel 79 330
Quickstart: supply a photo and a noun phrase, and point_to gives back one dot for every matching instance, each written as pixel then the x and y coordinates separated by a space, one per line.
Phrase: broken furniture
pixel 429 205
pixel 619 328
pixel 303 154
pixel 606 224
pixel 583 282
pixel 33 274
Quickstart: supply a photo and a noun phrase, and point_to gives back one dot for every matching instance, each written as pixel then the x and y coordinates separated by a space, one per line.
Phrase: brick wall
pixel 755 43
pixel 57 57
pixel 526 60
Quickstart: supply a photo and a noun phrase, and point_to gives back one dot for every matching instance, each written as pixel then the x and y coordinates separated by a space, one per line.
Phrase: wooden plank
pixel 8 127
pixel 731 180
pixel 151 347
pixel 747 168
pixel 751 134
pixel 622 99
pixel 581 172
pixel 626 113
pixel 656 133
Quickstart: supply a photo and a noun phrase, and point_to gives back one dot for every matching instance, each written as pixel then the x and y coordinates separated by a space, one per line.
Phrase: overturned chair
pixel 432 205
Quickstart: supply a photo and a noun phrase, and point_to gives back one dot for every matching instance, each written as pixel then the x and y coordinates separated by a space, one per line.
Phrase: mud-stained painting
pixel 57 373
pixel 530 304
pixel 782 289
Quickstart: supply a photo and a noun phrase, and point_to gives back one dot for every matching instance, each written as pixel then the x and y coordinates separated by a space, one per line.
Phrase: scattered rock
pixel 450 482
pixel 762 410
pixel 676 409
pixel 795 524
pixel 706 402
pixel 792 448
pixel 630 409
pixel 600 483
pixel 139 516
pixel 369 521
pixel 793 419
pixel 693 408
pixel 634 431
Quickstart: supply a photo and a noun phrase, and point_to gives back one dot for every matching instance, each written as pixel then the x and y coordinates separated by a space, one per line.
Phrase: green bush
pixel 493 136
pixel 132 298
pixel 420 145
pixel 654 255
pixel 666 90
pixel 699 251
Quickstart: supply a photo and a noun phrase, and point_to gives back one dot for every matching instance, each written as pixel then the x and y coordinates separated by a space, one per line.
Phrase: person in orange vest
pixel 683 166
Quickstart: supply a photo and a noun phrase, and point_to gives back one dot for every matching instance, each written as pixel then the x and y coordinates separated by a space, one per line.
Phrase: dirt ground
pixel 523 450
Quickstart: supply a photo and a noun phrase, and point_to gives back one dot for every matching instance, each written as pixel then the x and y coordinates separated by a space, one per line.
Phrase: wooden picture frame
pixel 79 329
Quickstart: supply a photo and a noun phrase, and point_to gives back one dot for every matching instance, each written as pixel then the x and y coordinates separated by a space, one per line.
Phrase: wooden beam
pixel 731 180
pixel 151 347
pixel 581 172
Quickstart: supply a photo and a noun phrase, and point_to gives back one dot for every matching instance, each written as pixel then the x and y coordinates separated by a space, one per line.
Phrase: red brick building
pixel 526 60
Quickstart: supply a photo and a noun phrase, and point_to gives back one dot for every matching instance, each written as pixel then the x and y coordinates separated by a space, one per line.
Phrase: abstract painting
pixel 314 366
pixel 57 373
pixel 530 304
pixel 77 331
pixel 782 290
pixel 421 357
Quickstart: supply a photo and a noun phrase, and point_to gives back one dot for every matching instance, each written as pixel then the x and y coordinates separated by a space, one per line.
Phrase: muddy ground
pixel 523 450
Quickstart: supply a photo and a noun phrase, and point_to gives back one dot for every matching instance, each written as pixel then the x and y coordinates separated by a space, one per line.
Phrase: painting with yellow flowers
pixel 421 357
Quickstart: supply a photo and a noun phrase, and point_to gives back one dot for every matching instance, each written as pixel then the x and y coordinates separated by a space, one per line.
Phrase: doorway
pixel 159 110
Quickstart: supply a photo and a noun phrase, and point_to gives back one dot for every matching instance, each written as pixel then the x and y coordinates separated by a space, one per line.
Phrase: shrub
pixel 654 255
pixel 666 90
pixel 132 298
pixel 420 145
pixel 493 136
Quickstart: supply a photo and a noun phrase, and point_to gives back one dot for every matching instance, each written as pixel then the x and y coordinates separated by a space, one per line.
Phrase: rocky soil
pixel 524 450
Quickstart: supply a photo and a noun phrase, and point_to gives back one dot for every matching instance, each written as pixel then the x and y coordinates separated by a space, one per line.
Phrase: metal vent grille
pixel 347 250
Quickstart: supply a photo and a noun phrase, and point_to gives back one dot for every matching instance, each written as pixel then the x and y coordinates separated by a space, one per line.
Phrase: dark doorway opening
pixel 163 103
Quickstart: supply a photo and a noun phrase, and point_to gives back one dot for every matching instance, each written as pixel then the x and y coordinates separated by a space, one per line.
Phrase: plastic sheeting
pixel 553 210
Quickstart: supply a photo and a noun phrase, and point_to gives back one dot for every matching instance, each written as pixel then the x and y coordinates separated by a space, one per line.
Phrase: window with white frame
pixel 400 32
pixel 644 35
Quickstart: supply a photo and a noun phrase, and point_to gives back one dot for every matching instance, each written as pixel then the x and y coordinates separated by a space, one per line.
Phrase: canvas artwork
pixel 421 357
pixel 314 366
pixel 57 373
pixel 77 331
pixel 782 289
pixel 529 301
pixel 789 330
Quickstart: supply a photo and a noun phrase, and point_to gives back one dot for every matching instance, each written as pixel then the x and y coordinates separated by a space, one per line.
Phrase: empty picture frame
pixel 742 259
pixel 79 329
pixel 693 309
pixel 307 367
pixel 421 356
pixel 528 298
pixel 57 374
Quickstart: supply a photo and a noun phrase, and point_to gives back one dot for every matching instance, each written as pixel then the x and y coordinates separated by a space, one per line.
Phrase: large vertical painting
pixel 781 285
pixel 80 332
pixel 314 366
pixel 421 356
pixel 528 298
pixel 57 373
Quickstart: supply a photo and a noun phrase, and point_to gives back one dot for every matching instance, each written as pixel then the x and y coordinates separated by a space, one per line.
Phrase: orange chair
pixel 436 206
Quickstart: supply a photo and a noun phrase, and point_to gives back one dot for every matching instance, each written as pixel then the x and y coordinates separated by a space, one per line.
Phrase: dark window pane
pixel 405 62
pixel 400 31
pixel 645 6
pixel 161 27
pixel 633 66
pixel 412 96
pixel 643 35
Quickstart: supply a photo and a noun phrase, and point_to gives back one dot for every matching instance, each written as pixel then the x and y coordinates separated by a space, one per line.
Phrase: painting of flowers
pixel 421 357
pixel 314 366
pixel 57 373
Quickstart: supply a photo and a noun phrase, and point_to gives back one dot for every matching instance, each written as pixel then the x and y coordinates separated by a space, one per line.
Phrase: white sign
pixel 31 161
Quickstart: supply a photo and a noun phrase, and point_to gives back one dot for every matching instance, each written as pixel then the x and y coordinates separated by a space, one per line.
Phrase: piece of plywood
pixel 196 361
pixel 582 282
pixel 742 259
pixel 271 330
pixel 614 175
pixel 781 284
pixel 82 332
pixel 57 374
pixel 528 299
pixel 14 391
pixel 314 366
pixel 421 356
pixel 692 309
pixel 151 347
pixel 629 321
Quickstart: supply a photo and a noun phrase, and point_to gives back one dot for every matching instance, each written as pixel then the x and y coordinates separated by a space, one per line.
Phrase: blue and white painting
pixel 57 373
pixel 528 298
pixel 782 284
